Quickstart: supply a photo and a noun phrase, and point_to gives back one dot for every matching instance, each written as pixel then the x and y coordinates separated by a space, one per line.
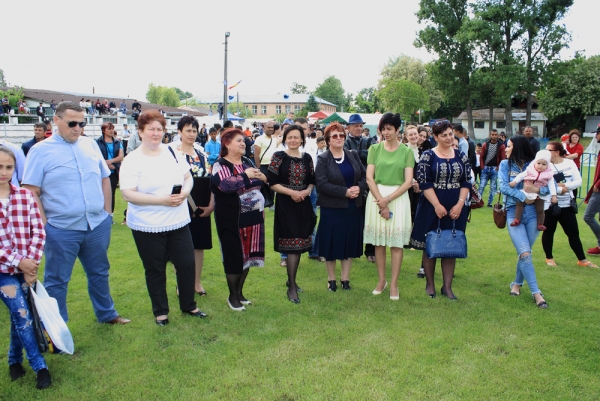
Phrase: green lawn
pixel 343 345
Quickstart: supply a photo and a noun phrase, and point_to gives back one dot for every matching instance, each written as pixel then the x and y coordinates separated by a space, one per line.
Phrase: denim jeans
pixel 13 291
pixel 523 237
pixel 63 247
pixel 488 174
pixel 593 208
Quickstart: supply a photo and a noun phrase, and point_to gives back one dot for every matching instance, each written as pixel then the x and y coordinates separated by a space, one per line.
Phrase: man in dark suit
pixel 40 111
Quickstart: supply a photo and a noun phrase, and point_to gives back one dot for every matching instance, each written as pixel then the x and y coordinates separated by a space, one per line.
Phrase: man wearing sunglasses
pixel 69 179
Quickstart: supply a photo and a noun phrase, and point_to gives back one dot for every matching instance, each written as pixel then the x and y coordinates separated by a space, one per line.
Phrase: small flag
pixel 231 87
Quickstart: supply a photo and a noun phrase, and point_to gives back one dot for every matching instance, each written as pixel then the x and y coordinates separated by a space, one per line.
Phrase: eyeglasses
pixel 72 124
pixel 338 136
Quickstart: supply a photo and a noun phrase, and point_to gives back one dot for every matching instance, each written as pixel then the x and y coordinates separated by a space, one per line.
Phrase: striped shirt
pixel 22 233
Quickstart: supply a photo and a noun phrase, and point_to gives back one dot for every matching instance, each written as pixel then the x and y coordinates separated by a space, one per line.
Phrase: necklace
pixel 341 160
pixel 445 155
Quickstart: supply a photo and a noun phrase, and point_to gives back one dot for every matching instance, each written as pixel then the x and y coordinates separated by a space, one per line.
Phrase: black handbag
pixel 448 244
pixel 38 328
pixel 574 205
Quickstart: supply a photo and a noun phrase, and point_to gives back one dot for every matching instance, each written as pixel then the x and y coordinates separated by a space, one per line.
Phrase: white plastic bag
pixel 54 324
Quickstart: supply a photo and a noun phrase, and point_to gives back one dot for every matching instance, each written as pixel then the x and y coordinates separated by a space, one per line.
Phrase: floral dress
pixel 446 177
pixel 294 221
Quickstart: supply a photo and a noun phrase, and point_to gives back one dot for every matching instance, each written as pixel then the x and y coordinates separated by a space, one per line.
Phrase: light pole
pixel 225 83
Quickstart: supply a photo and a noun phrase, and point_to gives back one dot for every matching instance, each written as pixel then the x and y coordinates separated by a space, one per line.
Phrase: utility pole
pixel 225 83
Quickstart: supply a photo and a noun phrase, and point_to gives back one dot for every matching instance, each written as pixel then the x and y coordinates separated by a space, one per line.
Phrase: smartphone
pixel 176 190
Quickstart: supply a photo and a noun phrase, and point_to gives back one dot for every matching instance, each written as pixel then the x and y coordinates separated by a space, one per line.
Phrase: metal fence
pixel 588 169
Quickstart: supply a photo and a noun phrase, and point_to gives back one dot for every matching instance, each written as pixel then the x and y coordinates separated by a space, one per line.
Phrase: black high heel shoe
pixel 298 289
pixel 332 285
pixel 444 293
pixel 430 295
pixel 163 322
pixel 293 300
pixel 345 285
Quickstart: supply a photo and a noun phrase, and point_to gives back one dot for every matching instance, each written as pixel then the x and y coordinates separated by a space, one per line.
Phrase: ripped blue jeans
pixel 523 237
pixel 13 291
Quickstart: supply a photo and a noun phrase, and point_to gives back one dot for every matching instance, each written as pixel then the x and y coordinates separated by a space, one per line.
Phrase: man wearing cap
pixel 593 204
pixel 356 141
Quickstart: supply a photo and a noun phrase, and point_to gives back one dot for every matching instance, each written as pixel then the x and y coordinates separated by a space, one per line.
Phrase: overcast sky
pixel 119 47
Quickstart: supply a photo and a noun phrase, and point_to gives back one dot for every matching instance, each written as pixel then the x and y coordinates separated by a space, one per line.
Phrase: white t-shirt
pixel 572 181
pixel 267 148
pixel 154 175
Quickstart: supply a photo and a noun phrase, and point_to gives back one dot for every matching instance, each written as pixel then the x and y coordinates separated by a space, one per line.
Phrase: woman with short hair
pixel 155 181
pixel 341 182
pixel 291 175
pixel 239 214
pixel 202 198
pixel 112 151
pixel 387 216
pixel 444 175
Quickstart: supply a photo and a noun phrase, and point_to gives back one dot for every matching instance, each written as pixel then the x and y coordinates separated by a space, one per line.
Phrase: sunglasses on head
pixel 336 136
pixel 441 122
pixel 72 124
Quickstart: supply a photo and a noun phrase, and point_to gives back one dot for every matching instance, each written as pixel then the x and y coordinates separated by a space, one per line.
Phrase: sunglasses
pixel 338 136
pixel 441 122
pixel 72 124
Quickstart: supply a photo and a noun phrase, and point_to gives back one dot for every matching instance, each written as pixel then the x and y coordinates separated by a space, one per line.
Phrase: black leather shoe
pixel 332 285
pixel 43 379
pixel 198 313
pixel 444 293
pixel 162 323
pixel 345 285
pixel 296 301
pixel 16 371
pixel 430 295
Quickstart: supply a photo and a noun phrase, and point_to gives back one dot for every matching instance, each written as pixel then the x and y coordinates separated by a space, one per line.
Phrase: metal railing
pixel 588 169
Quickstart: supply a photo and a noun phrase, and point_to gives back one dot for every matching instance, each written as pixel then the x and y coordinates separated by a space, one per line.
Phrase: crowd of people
pixel 373 192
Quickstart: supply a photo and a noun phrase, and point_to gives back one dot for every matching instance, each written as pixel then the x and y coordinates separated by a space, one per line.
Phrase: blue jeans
pixel 488 174
pixel 523 237
pixel 63 247
pixel 593 208
pixel 13 291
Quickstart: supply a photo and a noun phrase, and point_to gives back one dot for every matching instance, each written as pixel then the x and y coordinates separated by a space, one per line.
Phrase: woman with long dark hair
pixel 568 180
pixel 519 153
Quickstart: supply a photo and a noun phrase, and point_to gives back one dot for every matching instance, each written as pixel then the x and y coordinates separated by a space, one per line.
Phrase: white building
pixel 481 122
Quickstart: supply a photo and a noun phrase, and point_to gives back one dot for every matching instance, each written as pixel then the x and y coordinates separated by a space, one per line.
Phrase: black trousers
pixel 568 221
pixel 153 249
pixel 114 181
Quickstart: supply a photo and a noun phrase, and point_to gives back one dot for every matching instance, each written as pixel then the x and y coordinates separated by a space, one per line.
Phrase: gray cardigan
pixel 331 185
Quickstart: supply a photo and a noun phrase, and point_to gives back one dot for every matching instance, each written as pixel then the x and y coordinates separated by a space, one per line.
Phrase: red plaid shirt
pixel 22 233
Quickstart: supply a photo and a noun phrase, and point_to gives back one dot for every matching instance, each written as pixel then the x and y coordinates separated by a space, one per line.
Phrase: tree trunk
pixel 508 114
pixel 528 111
pixel 470 128
pixel 491 116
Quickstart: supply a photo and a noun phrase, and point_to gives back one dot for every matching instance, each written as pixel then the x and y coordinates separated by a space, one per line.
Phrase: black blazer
pixel 330 181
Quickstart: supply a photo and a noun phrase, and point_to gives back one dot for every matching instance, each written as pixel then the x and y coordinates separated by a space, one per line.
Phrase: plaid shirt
pixel 22 234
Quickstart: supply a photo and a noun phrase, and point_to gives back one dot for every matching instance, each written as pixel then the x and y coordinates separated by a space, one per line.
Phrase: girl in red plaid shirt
pixel 22 238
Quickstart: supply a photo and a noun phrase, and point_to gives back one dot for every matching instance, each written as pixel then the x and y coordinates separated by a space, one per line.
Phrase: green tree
pixel 183 95
pixel 414 70
pixel 331 90
pixel 542 42
pixel 404 97
pixel 367 101
pixel 445 35
pixel 2 81
pixel 162 95
pixel 311 104
pixel 298 88
pixel 572 88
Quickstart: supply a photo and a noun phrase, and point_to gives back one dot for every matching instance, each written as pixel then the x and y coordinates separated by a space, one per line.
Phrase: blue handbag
pixel 447 244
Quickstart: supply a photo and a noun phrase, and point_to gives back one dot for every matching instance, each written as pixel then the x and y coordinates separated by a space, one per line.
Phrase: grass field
pixel 347 345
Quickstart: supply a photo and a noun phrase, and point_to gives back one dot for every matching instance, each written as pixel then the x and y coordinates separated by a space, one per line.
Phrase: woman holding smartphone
pixel 156 181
